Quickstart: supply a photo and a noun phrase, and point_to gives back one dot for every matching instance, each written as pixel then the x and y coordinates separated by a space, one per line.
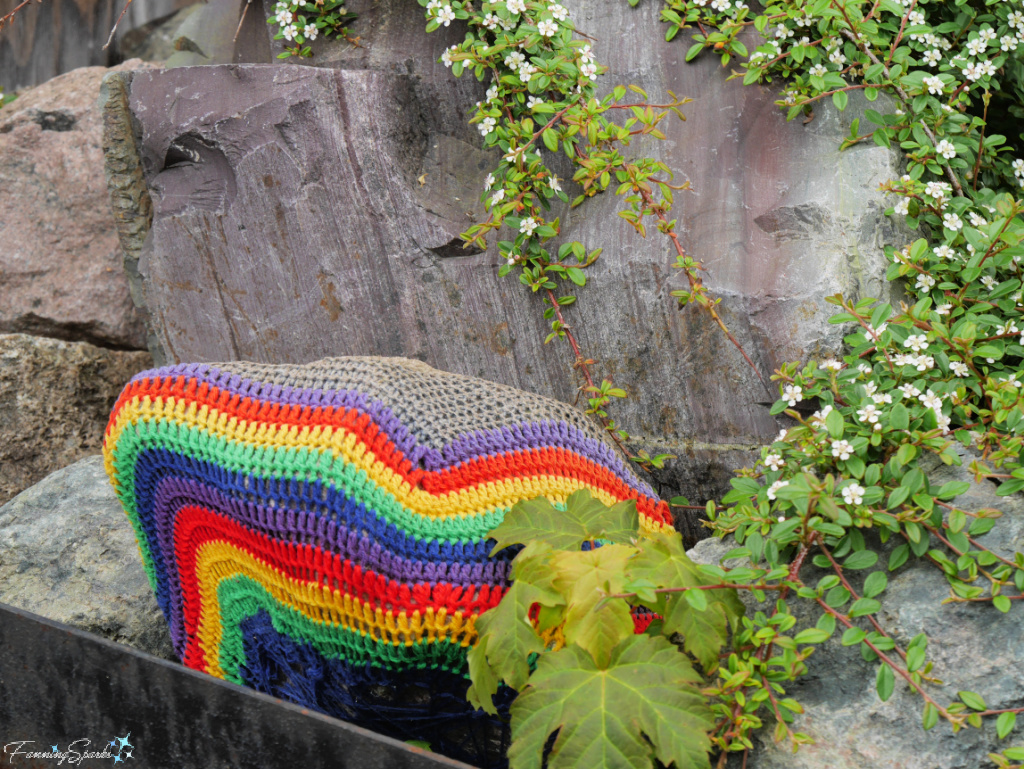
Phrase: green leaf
pixel 864 606
pixel 898 557
pixel 584 519
pixel 916 656
pixel 862 559
pixel 834 423
pixel 605 716
pixel 1005 724
pixel 885 682
pixel 550 137
pixel 899 417
pixel 930 716
pixel 576 275
pixel 1002 603
pixel 811 635
pixel 839 98
pixel 853 635
pixel 586 579
pixel 973 701
pixel 875 584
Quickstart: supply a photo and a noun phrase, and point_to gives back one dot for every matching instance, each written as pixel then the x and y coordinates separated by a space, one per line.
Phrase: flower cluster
pixel 300 23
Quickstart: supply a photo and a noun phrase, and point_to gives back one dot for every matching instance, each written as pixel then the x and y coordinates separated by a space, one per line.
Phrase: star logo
pixel 127 754
pixel 117 759
pixel 55 749
pixel 124 742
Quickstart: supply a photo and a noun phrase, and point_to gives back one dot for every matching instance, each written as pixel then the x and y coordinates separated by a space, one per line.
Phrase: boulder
pixel 69 553
pixel 974 648
pixel 154 41
pixel 302 212
pixel 55 398
pixel 60 265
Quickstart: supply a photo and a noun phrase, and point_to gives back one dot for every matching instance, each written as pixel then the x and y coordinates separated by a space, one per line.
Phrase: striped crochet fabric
pixel 319 532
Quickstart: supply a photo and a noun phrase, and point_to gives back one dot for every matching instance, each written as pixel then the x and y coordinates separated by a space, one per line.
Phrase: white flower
pixel 951 222
pixel 310 31
pixel 842 449
pixel 977 46
pixel 585 54
pixel 937 190
pixel 821 416
pixel 877 332
pixel 819 70
pixel 720 5
pixel 972 71
pixel 533 101
pixel 486 125
pixel 934 84
pixel 515 60
pixel 526 71
pixel 1008 43
pixel 1007 328
pixel 775 487
pixel 782 32
pixel 497 197
pixel 916 342
pixel 837 57
pixel 943 422
pixel 289 31
pixel 916 18
pixel 943 309
pixel 515 6
pixel 932 57
pixel 492 93
pixel 792 394
pixel 881 398
pixel 774 461
pixel 909 390
pixel 446 15
pixel 446 57
pixel 946 149
pixel 512 155
pixel 944 252
pixel 528 225
pixel 1018 167
pixel 959 368
pixel 1016 20
pixel 284 17
pixel 853 494
pixel 931 400
pixel 864 368
pixel 870 388
pixel 989 282
pixel 553 184
pixel 511 259
pixel 491 21
pixel 831 364
pixel 902 206
pixel 924 282
pixel 869 413
pixel 987 68
pixel 924 362
pixel 558 11
pixel 987 33
pixel 547 28
pixel 488 181
pixel 903 360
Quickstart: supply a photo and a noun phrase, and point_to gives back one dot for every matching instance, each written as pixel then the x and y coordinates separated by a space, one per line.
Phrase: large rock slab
pixel 55 398
pixel 60 264
pixel 973 646
pixel 301 212
pixel 68 552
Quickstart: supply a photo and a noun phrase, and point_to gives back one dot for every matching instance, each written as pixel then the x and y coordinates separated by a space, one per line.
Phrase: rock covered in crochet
pixel 319 532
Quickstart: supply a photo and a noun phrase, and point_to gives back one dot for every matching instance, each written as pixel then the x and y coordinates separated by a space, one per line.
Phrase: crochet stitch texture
pixel 319 532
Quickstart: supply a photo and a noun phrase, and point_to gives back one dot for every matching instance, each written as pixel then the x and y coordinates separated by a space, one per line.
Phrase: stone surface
pixel 154 41
pixel 55 398
pixel 306 212
pixel 207 36
pixel 60 264
pixel 973 646
pixel 53 37
pixel 67 552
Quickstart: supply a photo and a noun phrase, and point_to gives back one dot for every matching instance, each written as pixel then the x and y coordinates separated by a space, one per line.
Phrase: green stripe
pixel 303 464
pixel 242 597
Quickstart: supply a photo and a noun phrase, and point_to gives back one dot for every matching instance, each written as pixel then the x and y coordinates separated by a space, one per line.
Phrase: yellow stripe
pixel 217 561
pixel 339 442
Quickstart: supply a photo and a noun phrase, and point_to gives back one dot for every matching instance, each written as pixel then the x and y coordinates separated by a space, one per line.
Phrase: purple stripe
pixel 488 442
pixel 303 528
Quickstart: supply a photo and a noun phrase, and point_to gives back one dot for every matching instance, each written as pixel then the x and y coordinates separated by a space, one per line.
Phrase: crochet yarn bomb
pixel 319 532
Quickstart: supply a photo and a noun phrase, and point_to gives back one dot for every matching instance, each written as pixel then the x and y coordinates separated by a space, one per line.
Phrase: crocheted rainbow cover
pixel 319 532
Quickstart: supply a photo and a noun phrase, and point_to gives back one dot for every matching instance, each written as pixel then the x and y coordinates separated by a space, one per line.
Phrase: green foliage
pixel 300 23
pixel 567 618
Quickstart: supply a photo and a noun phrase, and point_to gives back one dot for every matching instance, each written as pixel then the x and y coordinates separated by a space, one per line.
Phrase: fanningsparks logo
pixel 118 750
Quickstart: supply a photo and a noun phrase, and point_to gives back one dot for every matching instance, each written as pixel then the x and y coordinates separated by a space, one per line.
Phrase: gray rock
pixel 55 399
pixel 974 648
pixel 68 552
pixel 60 265
pixel 207 36
pixel 300 213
